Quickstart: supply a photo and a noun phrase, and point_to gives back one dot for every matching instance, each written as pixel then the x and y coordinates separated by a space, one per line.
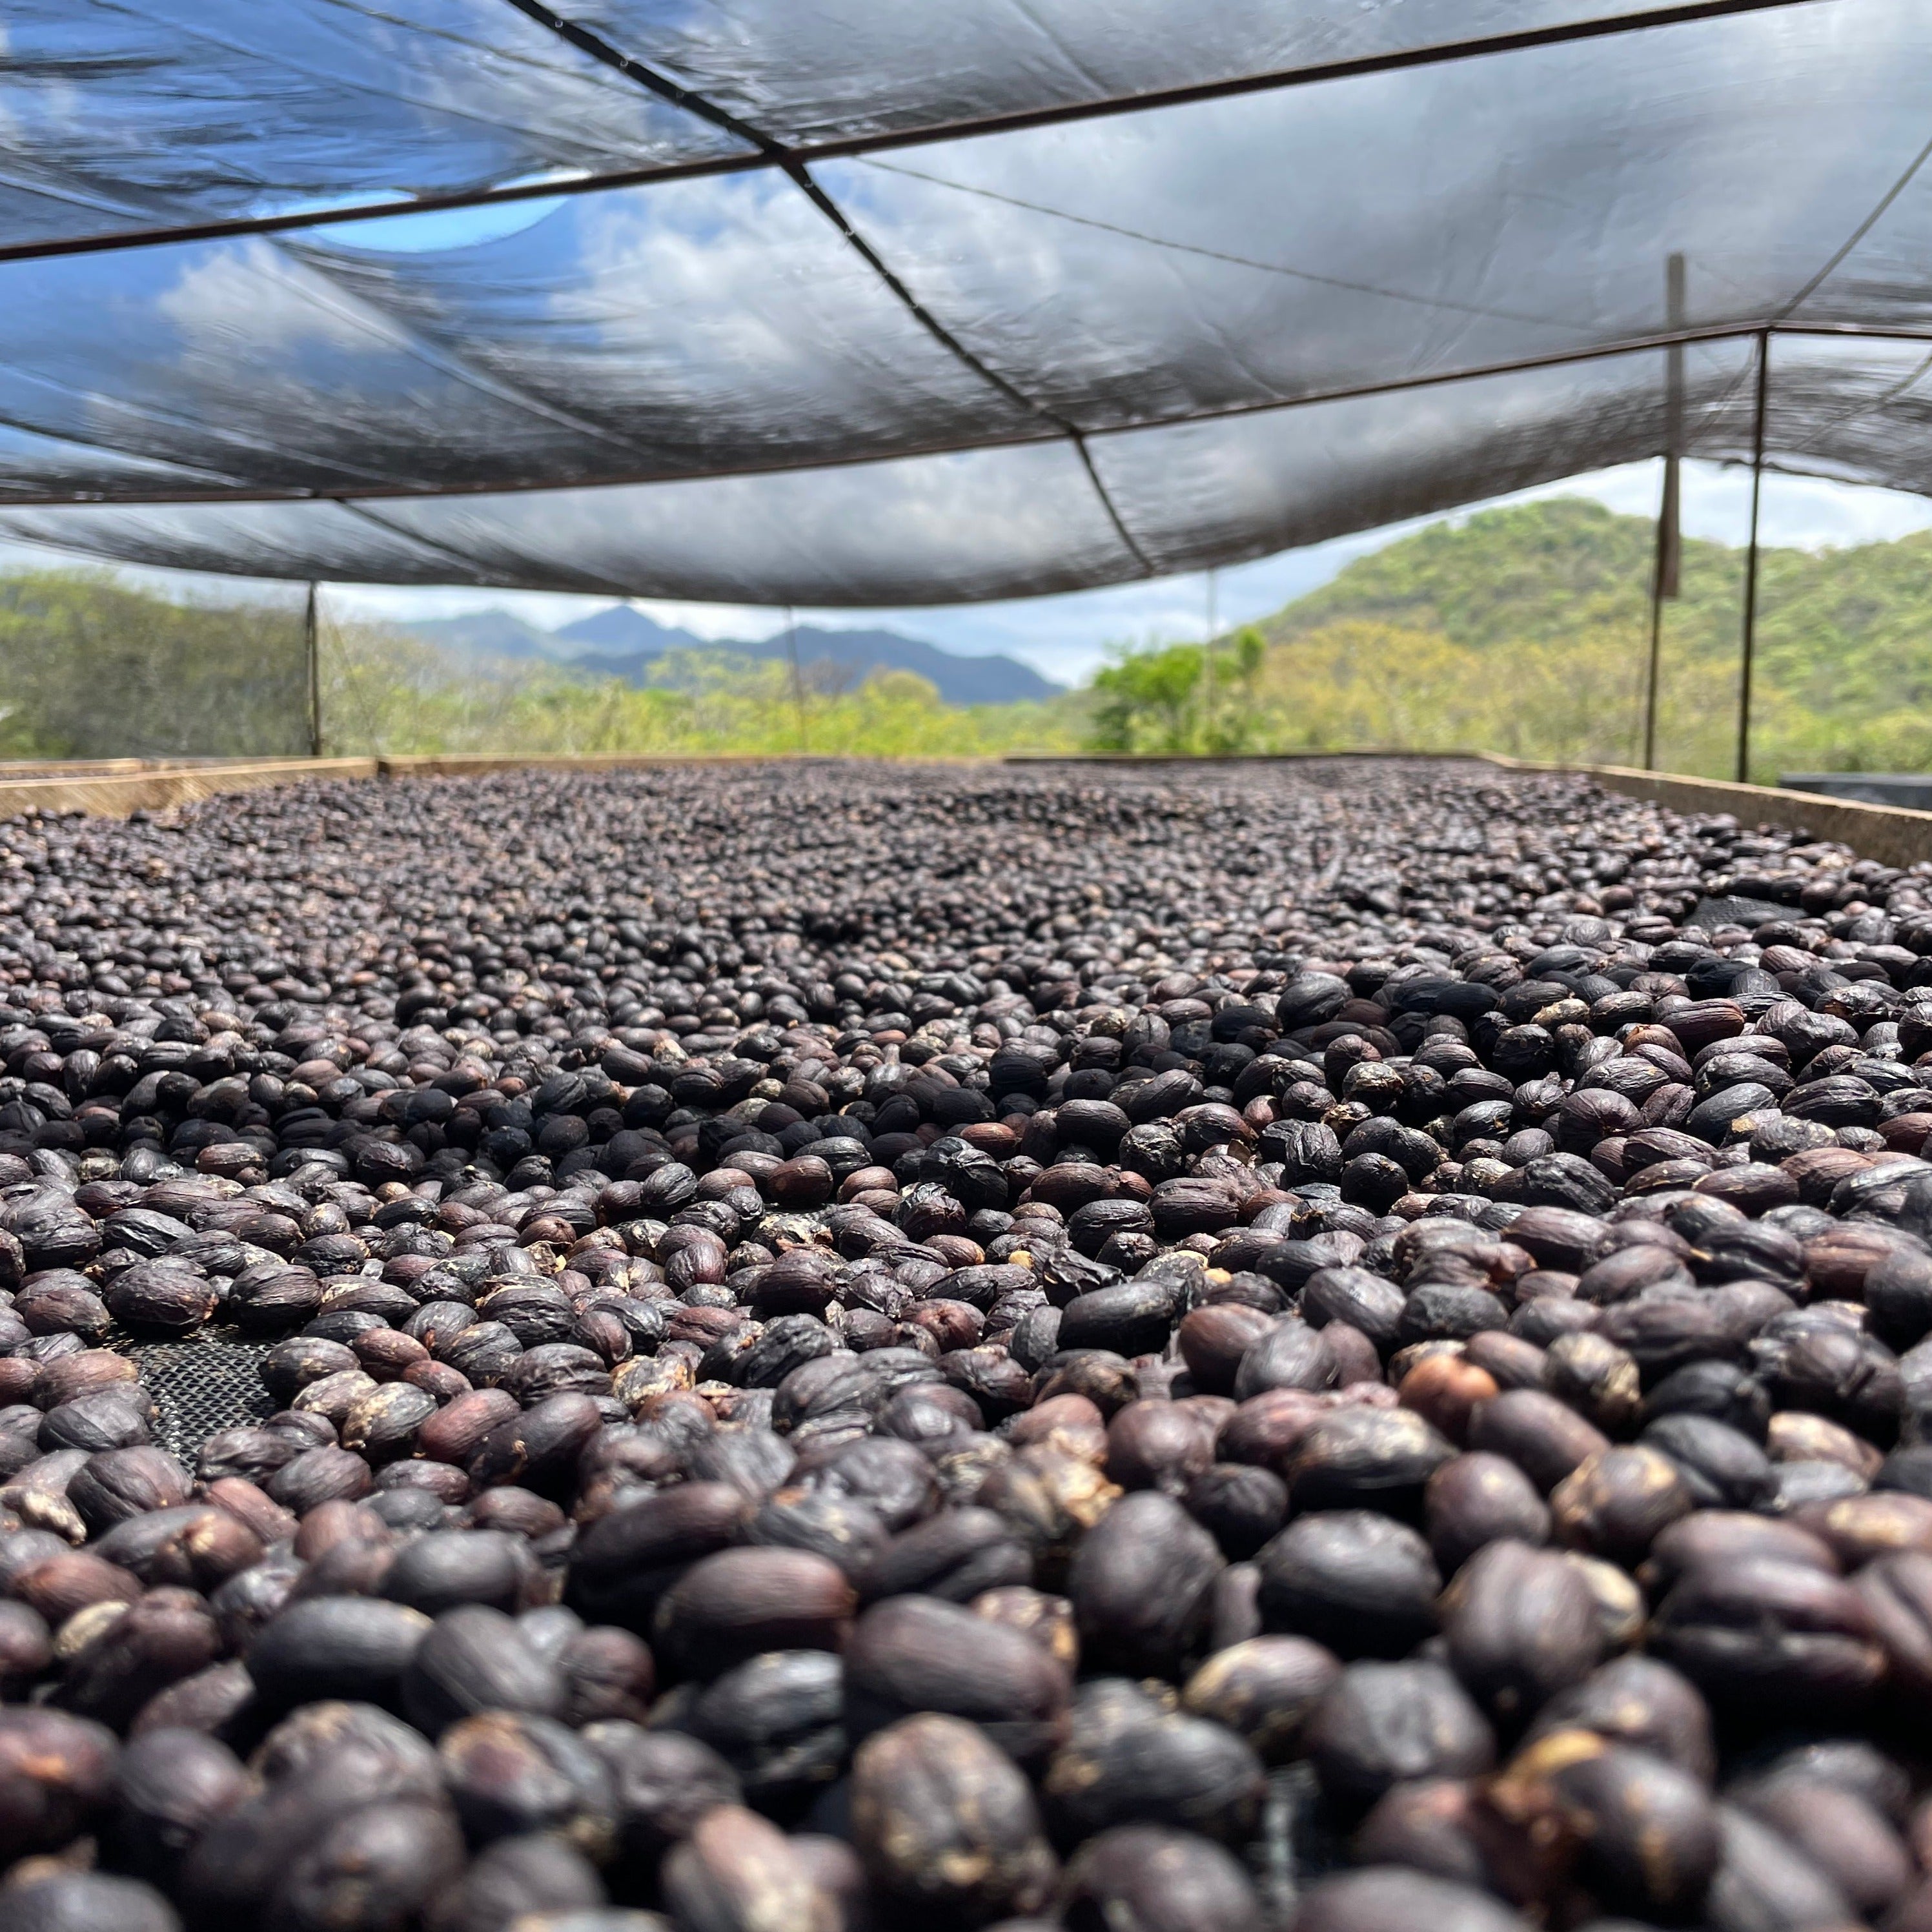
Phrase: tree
pixel 1147 700
pixel 1234 670
pixel 1179 697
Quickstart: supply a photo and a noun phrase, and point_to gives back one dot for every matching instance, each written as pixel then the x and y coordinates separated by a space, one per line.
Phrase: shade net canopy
pixel 846 302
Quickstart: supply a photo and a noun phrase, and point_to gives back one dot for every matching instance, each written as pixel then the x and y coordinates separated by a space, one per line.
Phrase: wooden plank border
pixel 114 787
pixel 114 795
pixel 1892 834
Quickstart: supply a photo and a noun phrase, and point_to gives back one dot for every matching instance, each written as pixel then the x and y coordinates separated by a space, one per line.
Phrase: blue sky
pixel 1067 637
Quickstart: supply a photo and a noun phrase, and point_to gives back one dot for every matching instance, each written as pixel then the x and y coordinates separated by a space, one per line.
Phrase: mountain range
pixel 623 642
pixel 1526 629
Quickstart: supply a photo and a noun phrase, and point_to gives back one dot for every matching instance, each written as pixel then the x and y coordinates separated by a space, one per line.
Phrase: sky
pixel 1067 638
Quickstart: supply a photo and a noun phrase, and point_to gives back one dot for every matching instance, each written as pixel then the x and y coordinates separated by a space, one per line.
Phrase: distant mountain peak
pixel 621 641
pixel 623 628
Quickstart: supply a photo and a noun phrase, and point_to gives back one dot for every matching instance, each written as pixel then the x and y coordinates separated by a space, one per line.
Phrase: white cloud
pixel 254 296
pixel 1464 214
pixel 1797 512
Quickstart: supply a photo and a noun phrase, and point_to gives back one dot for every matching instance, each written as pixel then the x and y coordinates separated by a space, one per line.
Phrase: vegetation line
pixel 1521 631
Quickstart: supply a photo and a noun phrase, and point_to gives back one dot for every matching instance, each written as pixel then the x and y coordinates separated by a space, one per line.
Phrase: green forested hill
pixel 1526 630
pixel 93 667
pixel 1533 574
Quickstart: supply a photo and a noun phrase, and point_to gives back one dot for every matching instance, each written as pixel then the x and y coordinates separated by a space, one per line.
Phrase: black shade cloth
pixel 831 357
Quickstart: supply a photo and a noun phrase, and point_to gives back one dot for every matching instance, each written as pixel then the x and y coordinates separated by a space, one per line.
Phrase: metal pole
pixel 312 646
pixel 797 682
pixel 1750 561
pixel 1669 534
pixel 1669 543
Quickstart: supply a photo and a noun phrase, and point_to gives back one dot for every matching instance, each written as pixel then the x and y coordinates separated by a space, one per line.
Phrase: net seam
pixel 787 161
pixel 1857 234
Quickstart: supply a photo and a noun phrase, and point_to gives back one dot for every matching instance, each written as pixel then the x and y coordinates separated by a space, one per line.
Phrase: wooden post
pixel 1663 581
pixel 1750 560
pixel 312 646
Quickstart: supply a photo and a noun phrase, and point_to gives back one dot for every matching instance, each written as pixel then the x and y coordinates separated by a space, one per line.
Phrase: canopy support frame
pixel 797 679
pixel 1669 534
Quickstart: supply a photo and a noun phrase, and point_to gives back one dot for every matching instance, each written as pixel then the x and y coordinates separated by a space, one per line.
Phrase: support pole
pixel 312 648
pixel 1656 595
pixel 1750 560
pixel 1669 541
pixel 797 680
pixel 1207 662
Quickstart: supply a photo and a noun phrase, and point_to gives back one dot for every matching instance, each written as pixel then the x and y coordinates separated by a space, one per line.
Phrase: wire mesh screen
pixel 93 668
pixel 201 1387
